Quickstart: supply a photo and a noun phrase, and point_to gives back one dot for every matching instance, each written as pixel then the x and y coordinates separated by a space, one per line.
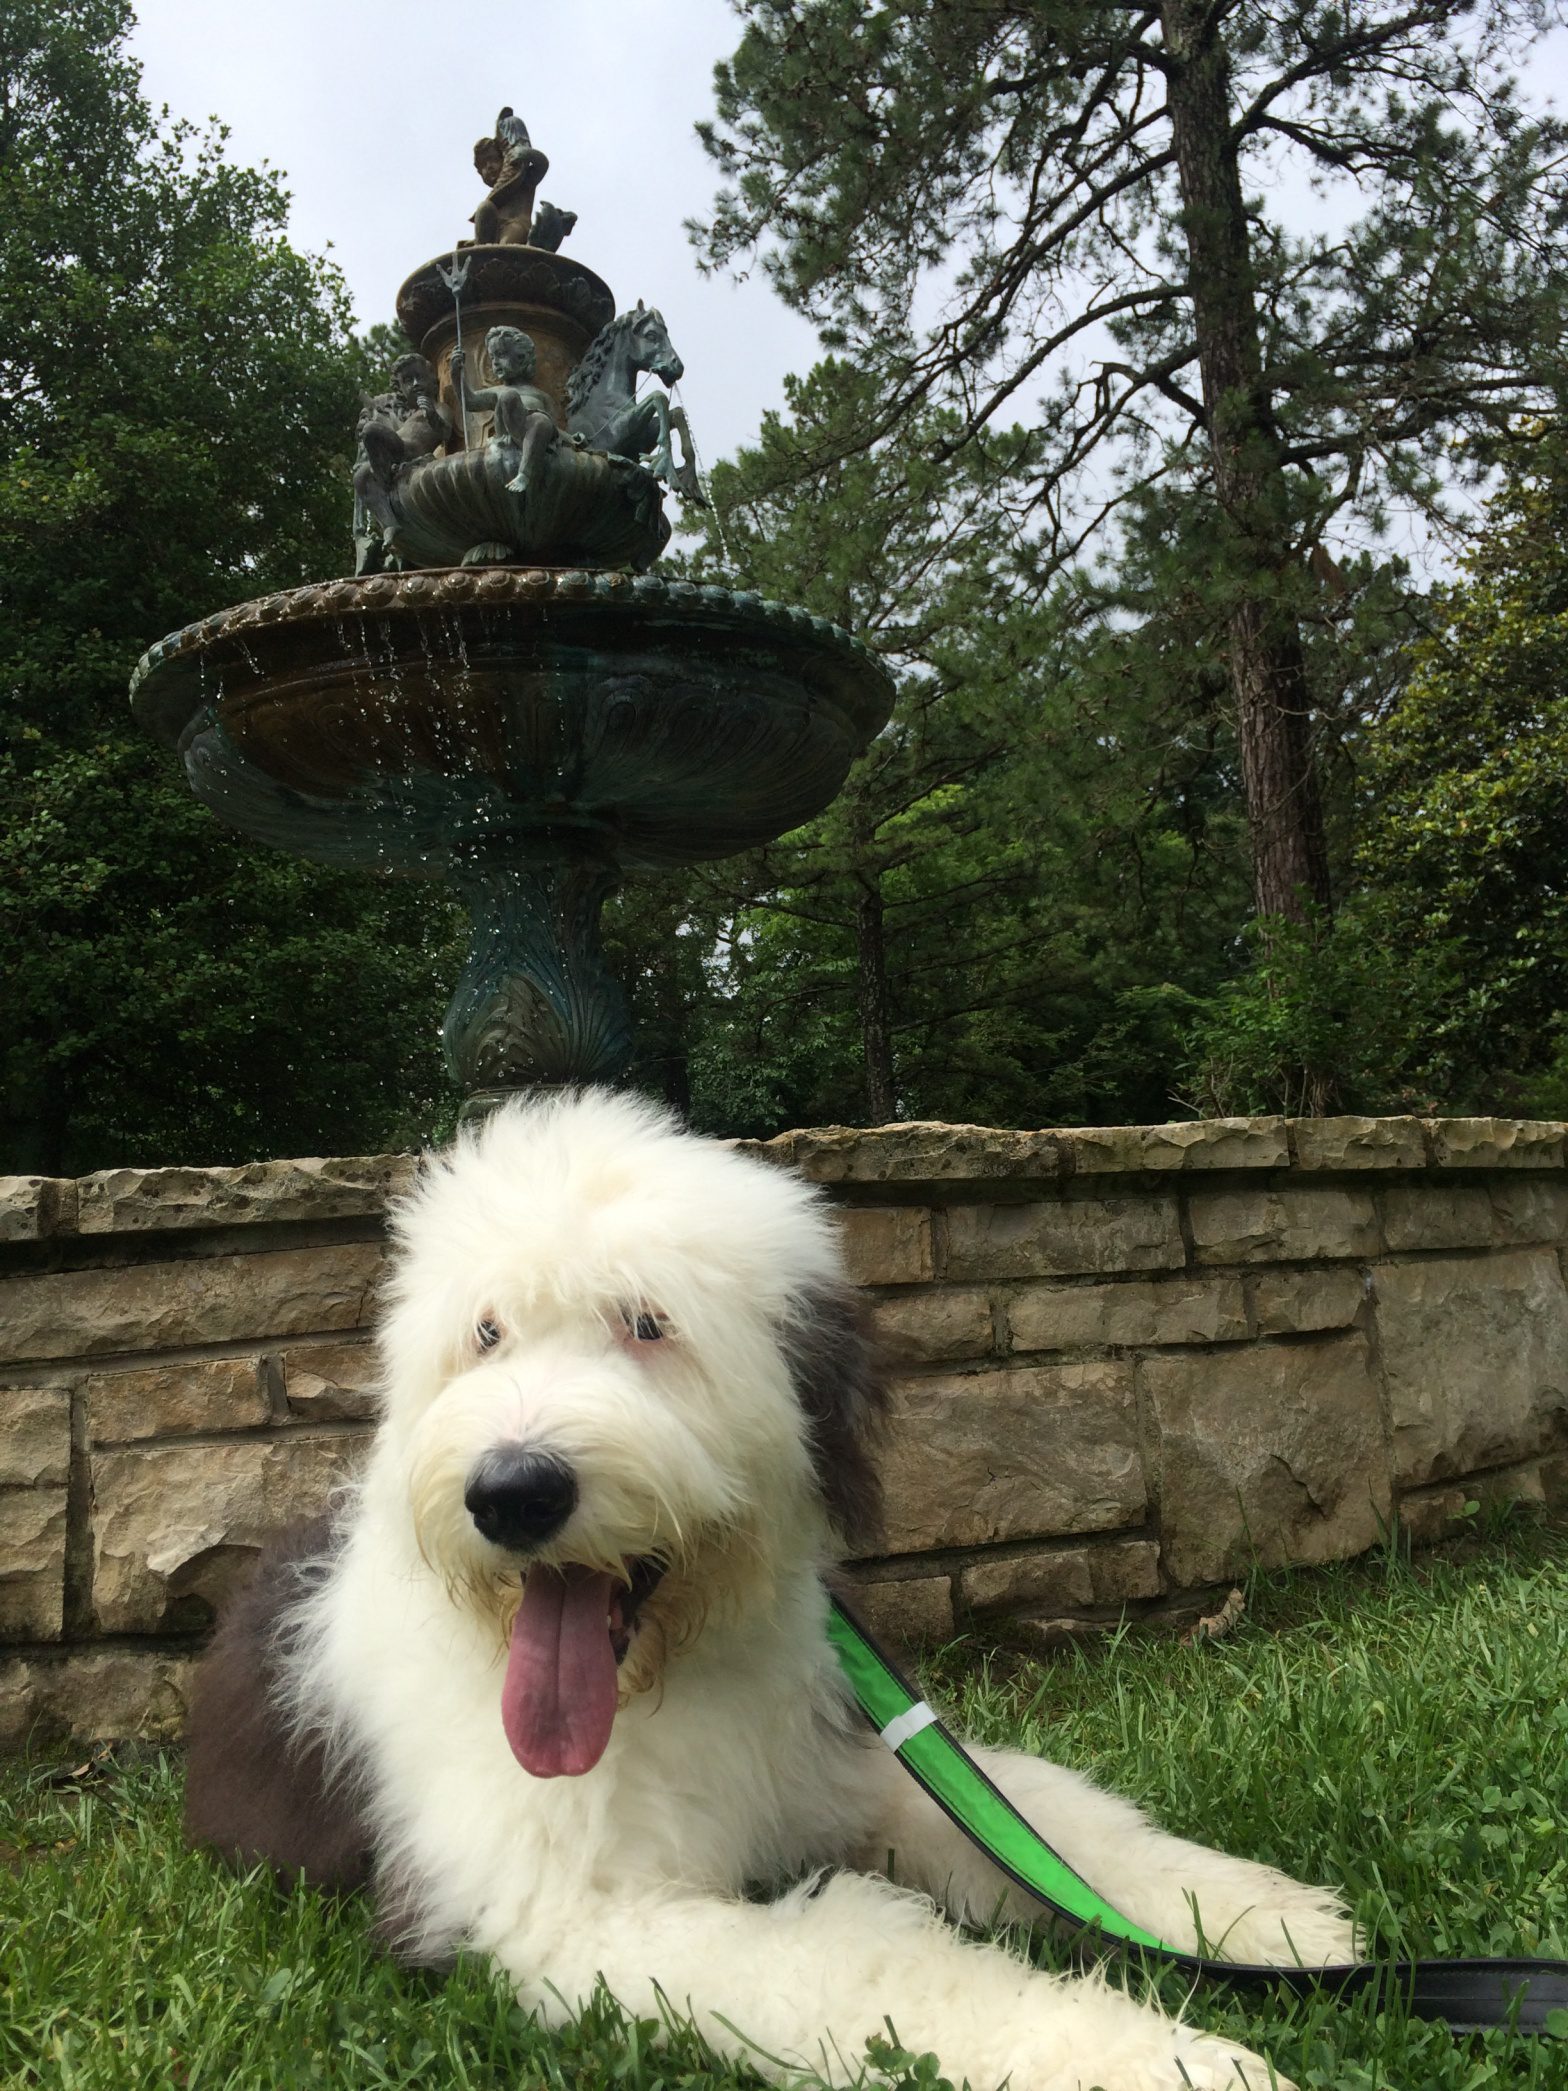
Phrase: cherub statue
pixel 523 414
pixel 398 431
pixel 512 167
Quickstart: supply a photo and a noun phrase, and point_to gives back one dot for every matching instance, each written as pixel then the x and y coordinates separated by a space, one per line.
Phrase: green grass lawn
pixel 1402 1728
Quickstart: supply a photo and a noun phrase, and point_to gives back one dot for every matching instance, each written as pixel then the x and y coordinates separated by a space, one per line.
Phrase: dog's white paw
pixel 1157 2054
pixel 1204 2063
pixel 1299 1925
pixel 1222 2068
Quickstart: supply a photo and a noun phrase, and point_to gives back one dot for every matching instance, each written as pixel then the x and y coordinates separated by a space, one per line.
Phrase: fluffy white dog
pixel 555 1676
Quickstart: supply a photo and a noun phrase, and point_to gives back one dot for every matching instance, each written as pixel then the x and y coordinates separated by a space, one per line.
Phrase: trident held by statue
pixel 454 278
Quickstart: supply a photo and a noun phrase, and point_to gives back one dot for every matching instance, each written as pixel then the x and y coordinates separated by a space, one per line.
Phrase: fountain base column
pixel 536 1002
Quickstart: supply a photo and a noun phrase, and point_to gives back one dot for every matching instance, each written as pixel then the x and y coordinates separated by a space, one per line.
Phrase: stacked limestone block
pixel 184 1367
pixel 1129 1362
pixel 1134 1360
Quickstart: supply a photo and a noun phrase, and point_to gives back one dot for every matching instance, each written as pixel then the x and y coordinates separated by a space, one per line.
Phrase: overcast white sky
pixel 372 107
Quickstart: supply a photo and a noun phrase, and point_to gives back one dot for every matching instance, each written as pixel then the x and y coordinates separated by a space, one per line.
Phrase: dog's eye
pixel 645 1327
pixel 487 1333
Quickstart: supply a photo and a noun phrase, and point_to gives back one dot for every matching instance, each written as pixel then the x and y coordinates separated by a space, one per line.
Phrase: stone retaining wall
pixel 1130 1361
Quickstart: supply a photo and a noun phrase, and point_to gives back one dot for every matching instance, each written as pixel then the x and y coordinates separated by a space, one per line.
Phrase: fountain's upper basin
pixel 409 720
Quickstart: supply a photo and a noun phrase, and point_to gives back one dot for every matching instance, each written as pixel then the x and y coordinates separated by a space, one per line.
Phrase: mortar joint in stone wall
pixel 939 1245
pixel 291 1430
pixel 1480 1477
pixel 31 1372
pixel 78 1566
pixel 1146 1430
pixel 59 1255
pixel 1189 1246
pixel 1385 1401
pixel 275 1388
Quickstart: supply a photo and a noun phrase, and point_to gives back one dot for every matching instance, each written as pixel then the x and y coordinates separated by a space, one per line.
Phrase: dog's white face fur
pixel 581 1285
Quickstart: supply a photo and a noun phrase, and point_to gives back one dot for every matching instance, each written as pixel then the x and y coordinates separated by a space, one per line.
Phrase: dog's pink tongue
pixel 558 1700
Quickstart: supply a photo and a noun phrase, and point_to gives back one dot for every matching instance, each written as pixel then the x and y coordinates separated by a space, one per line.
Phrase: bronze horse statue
pixel 604 413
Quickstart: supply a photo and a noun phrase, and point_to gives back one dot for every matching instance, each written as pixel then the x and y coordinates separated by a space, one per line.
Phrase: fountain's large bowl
pixel 408 721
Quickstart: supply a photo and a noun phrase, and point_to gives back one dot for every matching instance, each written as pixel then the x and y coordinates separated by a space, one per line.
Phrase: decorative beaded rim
pixel 500 275
pixel 450 588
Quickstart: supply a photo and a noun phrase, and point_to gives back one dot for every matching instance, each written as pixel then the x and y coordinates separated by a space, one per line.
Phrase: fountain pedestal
pixel 536 1001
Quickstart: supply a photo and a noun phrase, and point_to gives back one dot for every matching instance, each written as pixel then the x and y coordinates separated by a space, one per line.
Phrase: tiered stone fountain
pixel 502 695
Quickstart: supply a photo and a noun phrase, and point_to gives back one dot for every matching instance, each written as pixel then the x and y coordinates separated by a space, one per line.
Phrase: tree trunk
pixel 1267 663
pixel 876 1031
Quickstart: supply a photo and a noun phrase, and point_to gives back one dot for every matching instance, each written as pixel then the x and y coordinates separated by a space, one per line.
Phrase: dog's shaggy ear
pixel 840 1385
pixel 253 1791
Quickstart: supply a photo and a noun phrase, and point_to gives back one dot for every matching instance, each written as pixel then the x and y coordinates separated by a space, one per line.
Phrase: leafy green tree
pixel 1467 846
pixel 1445 979
pixel 178 391
pixel 1079 200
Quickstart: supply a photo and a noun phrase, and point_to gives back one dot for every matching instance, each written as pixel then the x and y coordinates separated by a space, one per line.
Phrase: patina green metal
pixel 536 1001
pixel 500 697
pixel 482 726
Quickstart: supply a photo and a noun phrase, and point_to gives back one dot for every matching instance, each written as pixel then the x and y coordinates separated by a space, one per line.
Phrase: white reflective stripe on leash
pixel 903 1727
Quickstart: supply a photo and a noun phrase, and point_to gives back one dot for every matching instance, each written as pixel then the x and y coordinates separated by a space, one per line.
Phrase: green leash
pixel 1466 1994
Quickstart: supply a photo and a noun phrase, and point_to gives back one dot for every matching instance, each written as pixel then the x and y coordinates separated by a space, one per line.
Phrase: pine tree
pixel 1088 190
pixel 989 919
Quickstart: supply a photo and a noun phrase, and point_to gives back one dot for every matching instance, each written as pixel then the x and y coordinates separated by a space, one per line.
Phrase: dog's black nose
pixel 518 1498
